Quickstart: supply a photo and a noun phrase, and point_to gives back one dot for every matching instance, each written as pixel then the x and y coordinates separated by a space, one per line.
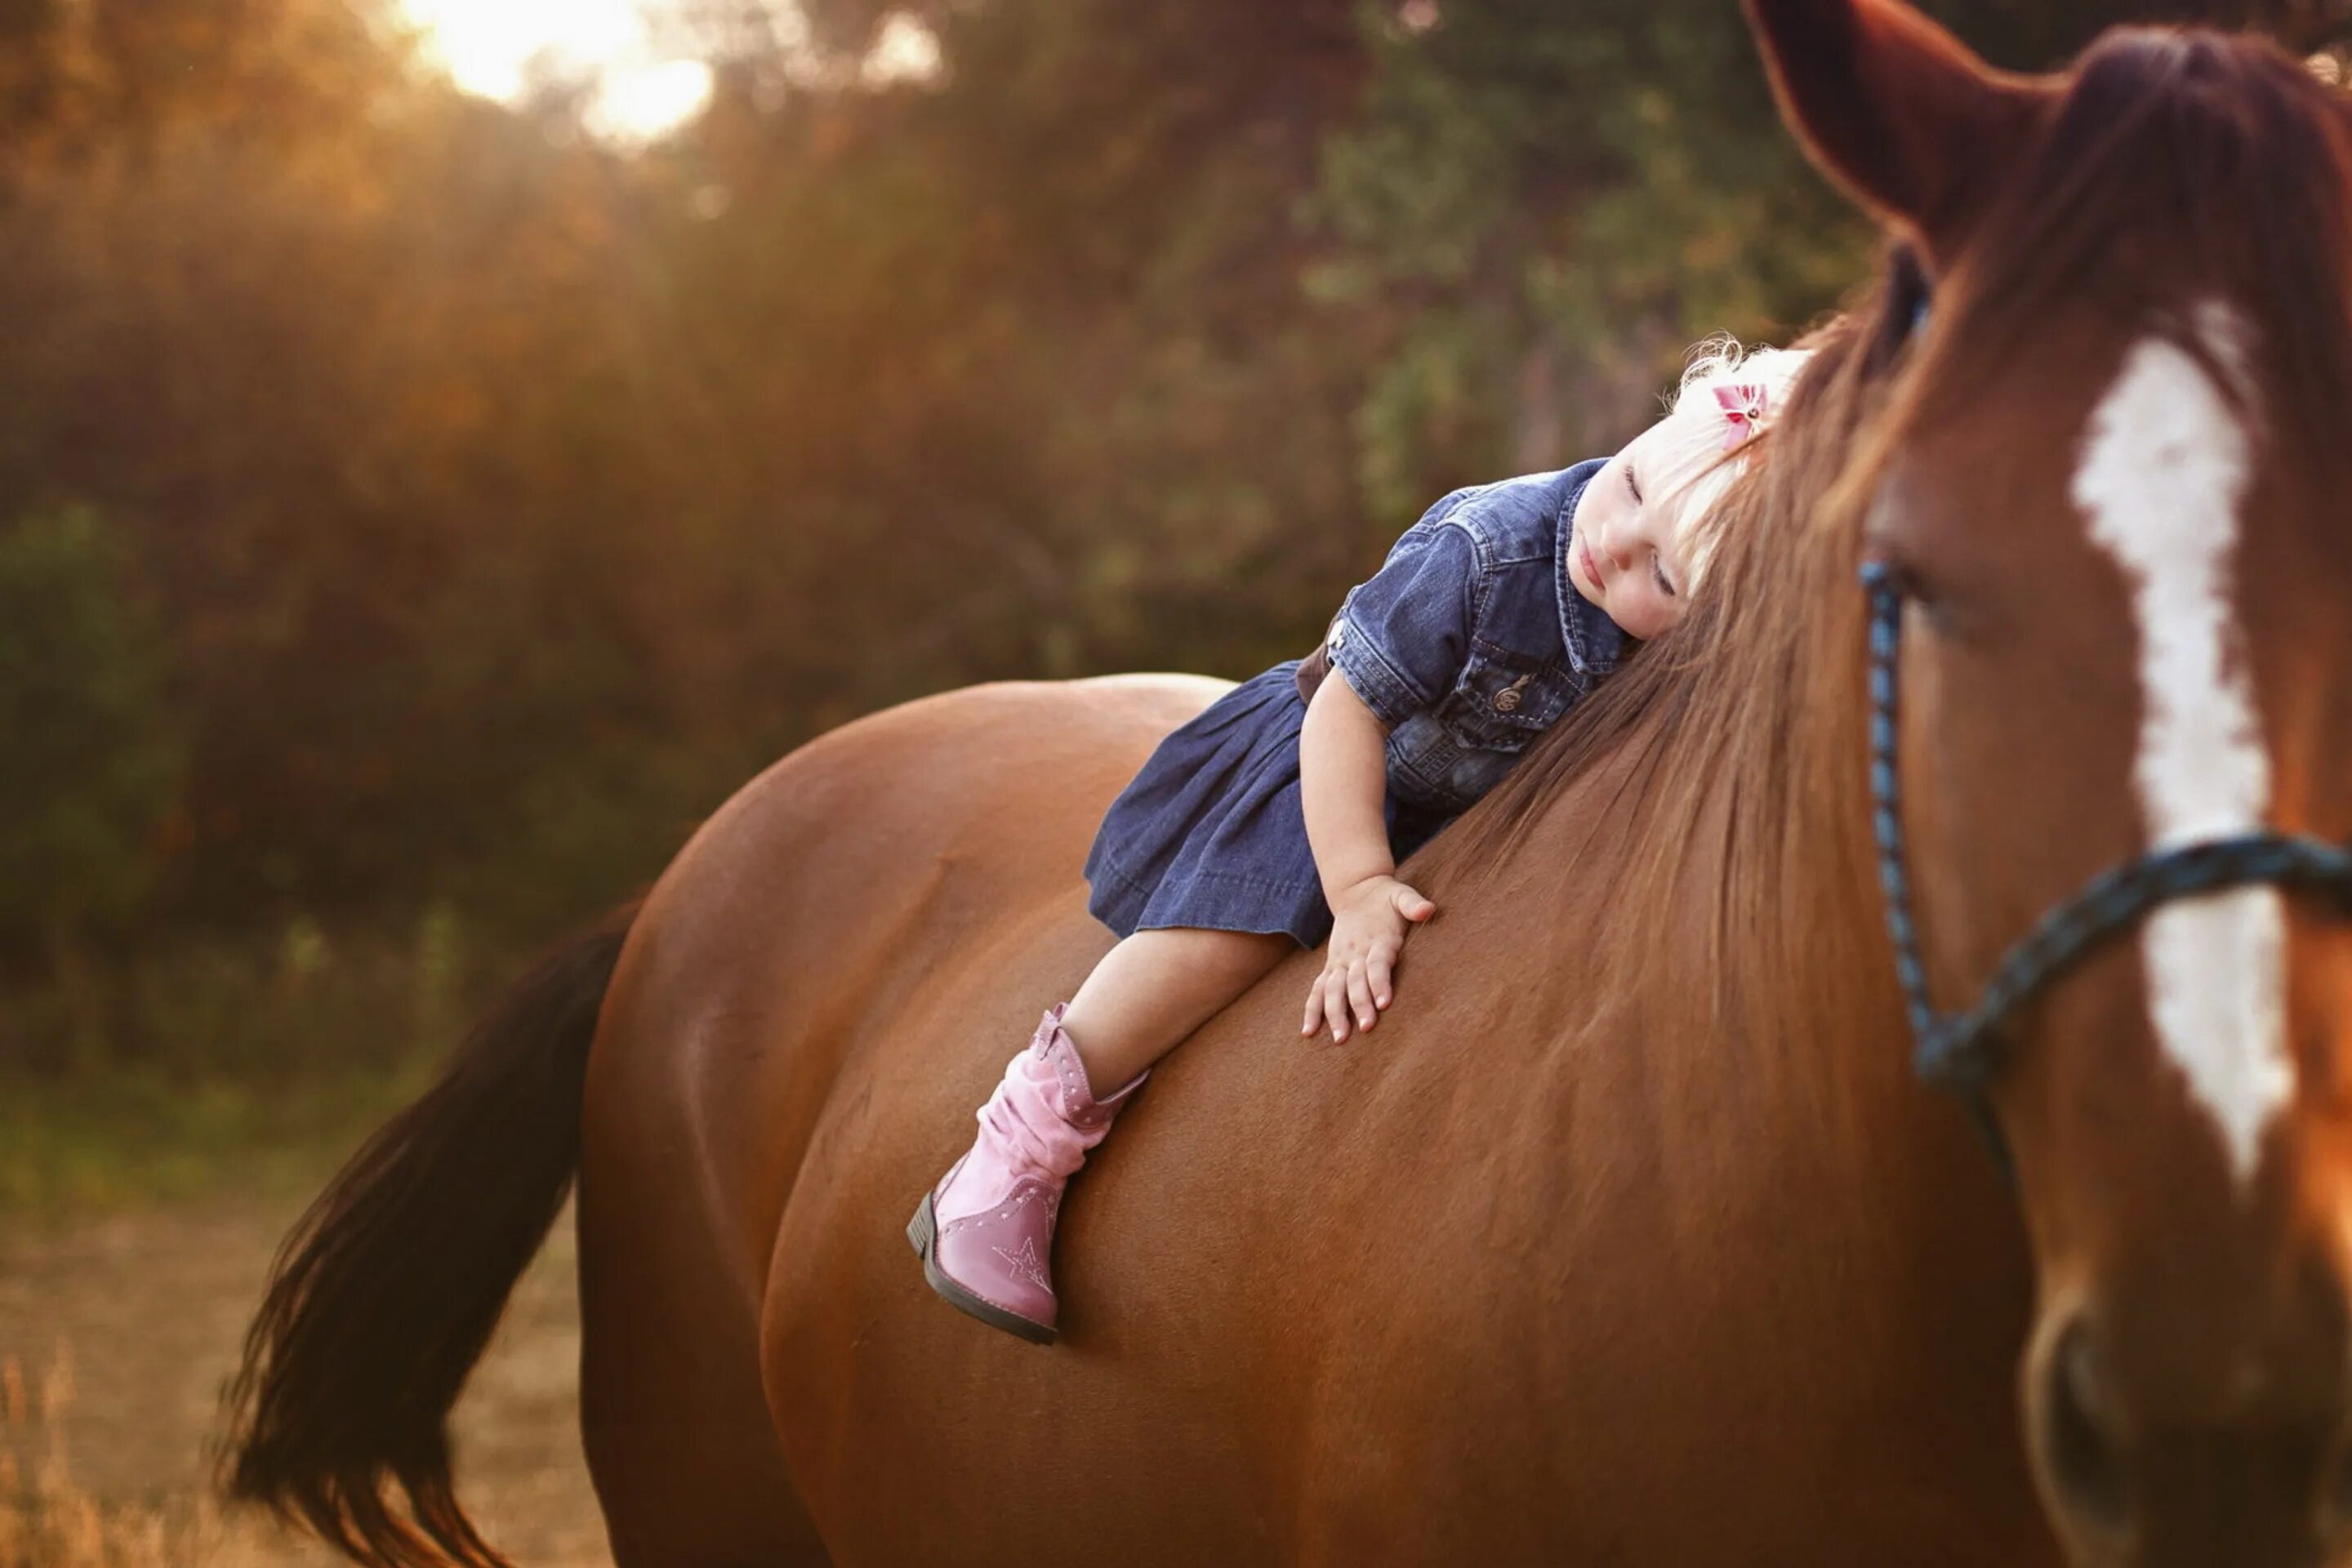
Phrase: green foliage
pixel 69 1146
pixel 93 754
pixel 1552 204
pixel 281 1006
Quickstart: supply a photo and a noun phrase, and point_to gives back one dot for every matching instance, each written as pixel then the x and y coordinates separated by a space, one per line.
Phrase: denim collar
pixel 1595 643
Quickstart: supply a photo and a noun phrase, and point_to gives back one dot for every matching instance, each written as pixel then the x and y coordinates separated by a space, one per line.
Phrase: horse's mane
pixel 1720 698
pixel 1735 742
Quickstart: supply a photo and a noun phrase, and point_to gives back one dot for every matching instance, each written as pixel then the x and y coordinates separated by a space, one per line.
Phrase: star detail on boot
pixel 1025 1263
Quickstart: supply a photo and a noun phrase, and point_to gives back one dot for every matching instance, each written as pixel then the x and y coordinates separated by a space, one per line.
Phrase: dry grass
pixel 47 1521
pixel 116 1334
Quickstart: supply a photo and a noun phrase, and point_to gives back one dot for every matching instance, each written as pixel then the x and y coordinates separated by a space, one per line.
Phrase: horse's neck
pixel 1734 943
pixel 1726 1072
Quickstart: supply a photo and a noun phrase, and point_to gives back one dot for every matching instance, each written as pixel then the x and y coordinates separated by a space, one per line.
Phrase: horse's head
pixel 2112 481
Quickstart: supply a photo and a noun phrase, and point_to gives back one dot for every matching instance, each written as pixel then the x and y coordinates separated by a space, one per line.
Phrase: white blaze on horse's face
pixel 2164 474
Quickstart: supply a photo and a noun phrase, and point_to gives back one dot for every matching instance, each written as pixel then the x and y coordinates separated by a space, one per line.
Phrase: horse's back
pixel 795 922
pixel 1321 1303
pixel 856 875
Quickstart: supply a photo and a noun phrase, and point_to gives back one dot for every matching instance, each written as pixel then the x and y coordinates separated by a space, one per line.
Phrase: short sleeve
pixel 1403 638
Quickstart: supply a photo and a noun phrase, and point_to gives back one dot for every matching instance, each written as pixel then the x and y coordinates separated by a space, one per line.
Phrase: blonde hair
pixel 1695 459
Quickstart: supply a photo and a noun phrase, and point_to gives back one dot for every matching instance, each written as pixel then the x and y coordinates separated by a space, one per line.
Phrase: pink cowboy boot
pixel 985 1234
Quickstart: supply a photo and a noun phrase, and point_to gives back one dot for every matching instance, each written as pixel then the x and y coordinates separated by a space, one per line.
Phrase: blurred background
pixel 448 445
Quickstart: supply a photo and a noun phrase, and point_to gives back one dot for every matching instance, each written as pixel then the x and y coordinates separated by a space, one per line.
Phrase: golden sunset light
pixel 495 47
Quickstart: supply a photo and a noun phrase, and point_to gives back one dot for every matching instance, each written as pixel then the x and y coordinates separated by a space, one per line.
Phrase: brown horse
pixel 1692 1270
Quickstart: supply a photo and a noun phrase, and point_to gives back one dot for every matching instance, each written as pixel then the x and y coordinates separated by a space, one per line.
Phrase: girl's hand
pixel 1369 924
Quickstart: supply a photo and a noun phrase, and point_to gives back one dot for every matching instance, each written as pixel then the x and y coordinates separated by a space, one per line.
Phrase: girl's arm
pixel 1343 785
pixel 1343 789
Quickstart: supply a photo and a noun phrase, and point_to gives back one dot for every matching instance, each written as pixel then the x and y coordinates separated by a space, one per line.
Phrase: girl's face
pixel 1625 554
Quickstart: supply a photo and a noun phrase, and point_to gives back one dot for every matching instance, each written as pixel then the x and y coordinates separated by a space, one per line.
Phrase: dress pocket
pixel 1504 700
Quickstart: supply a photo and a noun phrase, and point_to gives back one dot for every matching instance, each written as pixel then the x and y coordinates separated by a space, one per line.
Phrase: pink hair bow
pixel 1744 407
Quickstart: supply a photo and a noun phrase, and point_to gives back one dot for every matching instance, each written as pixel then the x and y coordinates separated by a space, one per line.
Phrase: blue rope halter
pixel 1958 1050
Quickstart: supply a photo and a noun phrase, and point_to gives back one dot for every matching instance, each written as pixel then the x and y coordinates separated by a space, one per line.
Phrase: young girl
pixel 1278 816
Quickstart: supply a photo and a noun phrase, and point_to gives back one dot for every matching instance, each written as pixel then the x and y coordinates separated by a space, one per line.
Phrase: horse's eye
pixel 1910 295
pixel 1885 571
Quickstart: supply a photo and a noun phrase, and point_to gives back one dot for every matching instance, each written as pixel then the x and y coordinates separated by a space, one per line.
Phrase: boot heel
pixel 919 1229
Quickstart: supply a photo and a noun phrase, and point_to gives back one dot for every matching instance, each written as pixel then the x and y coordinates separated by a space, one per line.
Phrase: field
pixel 117 1331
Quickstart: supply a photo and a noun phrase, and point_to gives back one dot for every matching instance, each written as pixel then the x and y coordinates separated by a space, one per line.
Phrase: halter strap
pixel 1958 1050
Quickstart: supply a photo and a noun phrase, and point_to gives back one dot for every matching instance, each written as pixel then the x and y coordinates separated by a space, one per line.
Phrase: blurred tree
pixel 1545 207
pixel 84 78
pixel 1046 316
pixel 93 759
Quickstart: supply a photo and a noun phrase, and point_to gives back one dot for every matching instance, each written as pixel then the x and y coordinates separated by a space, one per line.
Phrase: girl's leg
pixel 1155 988
pixel 985 1232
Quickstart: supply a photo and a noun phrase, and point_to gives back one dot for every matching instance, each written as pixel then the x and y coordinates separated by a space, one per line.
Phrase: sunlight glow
pixel 906 51
pixel 646 100
pixel 498 48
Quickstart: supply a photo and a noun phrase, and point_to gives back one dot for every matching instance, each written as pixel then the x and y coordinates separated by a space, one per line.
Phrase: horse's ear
pixel 1896 109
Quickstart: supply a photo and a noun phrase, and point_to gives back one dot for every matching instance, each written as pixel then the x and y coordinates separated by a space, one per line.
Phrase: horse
pixel 1632 1235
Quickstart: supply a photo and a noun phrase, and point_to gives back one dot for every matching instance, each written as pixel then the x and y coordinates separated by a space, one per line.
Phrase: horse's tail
pixel 384 1294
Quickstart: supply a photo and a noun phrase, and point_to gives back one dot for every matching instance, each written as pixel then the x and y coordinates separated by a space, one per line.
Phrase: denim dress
pixel 1467 643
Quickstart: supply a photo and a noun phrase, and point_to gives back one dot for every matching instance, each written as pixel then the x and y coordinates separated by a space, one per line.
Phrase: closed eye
pixel 1632 487
pixel 1658 575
